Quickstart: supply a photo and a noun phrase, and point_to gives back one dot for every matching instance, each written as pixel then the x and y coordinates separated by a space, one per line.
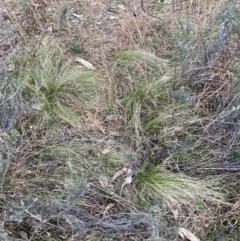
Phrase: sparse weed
pixel 63 15
pixel 76 47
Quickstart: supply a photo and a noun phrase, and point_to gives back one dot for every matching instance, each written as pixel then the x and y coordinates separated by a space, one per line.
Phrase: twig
pixel 43 221
pixel 149 14
pixel 5 171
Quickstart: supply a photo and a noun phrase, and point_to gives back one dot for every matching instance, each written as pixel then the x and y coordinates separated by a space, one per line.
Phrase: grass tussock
pixel 174 189
pixel 59 89
pixel 147 85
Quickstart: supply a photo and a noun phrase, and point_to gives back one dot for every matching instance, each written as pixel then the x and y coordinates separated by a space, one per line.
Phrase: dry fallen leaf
pixel 175 213
pixel 106 150
pixel 93 122
pixel 112 17
pixel 10 67
pixel 121 7
pixel 117 174
pixel 125 170
pixel 85 63
pixel 184 233
pixel 109 206
pixel 128 171
pixel 128 180
pixel 38 106
pixel 77 15
pixel 103 180
pixel 115 133
pixel 236 205
pixel 23 235
pixel 49 29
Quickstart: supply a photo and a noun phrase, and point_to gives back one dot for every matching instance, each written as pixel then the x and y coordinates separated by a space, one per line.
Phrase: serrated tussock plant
pixel 60 89
pixel 172 188
pixel 147 81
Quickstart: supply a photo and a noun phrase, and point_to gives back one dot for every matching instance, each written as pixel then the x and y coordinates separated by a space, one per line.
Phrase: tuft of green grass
pixel 172 188
pixel 63 15
pixel 144 88
pixel 141 55
pixel 58 88
pixel 76 47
